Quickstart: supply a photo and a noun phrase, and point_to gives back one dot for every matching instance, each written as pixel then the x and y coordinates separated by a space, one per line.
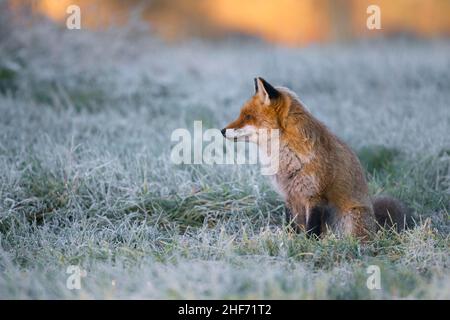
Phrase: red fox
pixel 319 176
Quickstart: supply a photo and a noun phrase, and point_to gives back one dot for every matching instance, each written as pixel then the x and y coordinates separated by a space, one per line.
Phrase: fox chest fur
pixel 292 178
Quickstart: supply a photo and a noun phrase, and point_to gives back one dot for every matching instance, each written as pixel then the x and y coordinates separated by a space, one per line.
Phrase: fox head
pixel 266 109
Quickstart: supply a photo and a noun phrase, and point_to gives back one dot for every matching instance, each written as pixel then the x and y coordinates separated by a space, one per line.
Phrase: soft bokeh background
pixel 85 123
pixel 290 22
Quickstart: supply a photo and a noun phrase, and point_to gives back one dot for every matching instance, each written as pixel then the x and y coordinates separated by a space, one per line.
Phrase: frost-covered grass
pixel 85 175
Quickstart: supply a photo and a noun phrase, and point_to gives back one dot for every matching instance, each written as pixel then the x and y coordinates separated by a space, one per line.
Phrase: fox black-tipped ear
pixel 265 90
pixel 273 93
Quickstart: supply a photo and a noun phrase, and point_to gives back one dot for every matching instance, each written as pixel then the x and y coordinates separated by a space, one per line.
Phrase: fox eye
pixel 247 117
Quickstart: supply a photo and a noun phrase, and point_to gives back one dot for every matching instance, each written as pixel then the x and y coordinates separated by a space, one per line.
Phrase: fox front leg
pixel 307 219
pixel 297 216
pixel 314 217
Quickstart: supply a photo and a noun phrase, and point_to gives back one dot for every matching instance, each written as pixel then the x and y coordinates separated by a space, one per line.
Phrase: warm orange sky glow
pixel 284 21
pixel 287 21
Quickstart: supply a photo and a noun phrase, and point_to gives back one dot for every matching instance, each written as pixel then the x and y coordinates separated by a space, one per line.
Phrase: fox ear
pixel 265 91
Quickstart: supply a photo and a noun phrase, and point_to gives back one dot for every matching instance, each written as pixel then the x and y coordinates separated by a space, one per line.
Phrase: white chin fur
pixel 248 132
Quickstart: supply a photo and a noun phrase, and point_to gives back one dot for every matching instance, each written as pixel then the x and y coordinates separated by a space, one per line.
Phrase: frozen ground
pixel 85 176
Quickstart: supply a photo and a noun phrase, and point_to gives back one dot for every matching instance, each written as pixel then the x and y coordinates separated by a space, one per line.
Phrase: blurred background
pixel 287 22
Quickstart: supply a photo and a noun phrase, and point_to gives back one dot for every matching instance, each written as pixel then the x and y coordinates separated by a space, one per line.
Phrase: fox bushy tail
pixel 390 213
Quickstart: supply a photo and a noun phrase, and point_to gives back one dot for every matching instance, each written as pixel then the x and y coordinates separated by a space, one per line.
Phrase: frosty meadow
pixel 89 180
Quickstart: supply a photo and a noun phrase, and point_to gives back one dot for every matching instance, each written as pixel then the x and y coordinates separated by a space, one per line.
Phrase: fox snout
pixel 229 134
pixel 246 133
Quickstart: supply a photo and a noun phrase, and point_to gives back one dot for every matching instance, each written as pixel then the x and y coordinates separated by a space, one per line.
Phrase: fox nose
pixel 223 131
